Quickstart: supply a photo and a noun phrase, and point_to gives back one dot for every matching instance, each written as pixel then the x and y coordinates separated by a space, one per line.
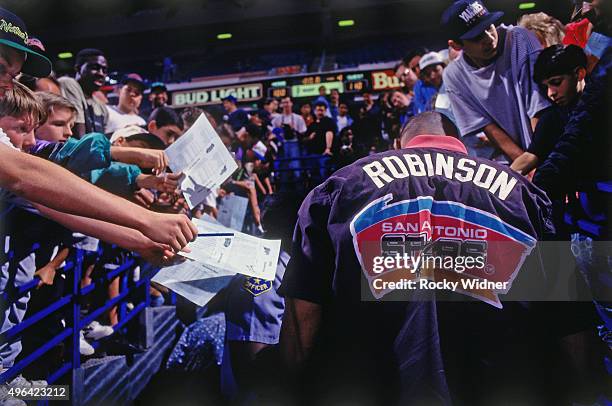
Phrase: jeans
pixel 292 149
pixel 13 311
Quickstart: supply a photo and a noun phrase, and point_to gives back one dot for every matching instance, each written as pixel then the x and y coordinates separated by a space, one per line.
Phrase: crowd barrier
pixel 134 287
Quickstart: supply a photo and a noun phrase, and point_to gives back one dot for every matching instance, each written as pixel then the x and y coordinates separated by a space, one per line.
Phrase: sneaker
pixel 95 331
pixel 84 347
pixel 8 400
pixel 18 382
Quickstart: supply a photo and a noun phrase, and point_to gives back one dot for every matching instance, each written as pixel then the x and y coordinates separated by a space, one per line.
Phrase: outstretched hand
pixel 174 230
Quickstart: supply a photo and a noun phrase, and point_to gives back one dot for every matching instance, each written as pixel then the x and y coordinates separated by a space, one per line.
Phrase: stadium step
pixel 118 379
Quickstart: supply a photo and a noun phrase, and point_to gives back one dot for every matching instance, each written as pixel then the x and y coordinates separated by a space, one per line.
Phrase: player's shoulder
pixel 352 174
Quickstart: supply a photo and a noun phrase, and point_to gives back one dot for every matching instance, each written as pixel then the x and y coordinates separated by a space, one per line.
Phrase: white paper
pixel 237 253
pixel 442 101
pixel 86 243
pixel 260 148
pixel 202 158
pixel 194 281
pixel 232 210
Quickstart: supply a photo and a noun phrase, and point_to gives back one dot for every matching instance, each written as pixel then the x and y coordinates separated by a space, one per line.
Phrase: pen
pixel 216 235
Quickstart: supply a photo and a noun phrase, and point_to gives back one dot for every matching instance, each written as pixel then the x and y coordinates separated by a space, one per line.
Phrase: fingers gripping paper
pixel 202 158
pixel 216 256
pixel 221 247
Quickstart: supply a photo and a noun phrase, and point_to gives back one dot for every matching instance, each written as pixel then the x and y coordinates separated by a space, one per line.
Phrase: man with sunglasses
pixel 91 68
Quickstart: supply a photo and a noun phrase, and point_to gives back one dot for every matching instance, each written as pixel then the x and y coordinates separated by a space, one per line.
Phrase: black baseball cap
pixel 158 86
pixel 134 78
pixel 14 34
pixel 231 99
pixel 467 19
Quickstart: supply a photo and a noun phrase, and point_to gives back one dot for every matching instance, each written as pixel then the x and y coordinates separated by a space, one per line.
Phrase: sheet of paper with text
pixel 193 280
pixel 221 247
pixel 202 158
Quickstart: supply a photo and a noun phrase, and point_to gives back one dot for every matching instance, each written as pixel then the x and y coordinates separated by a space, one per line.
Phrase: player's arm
pixel 301 323
pixel 37 180
pixel 502 140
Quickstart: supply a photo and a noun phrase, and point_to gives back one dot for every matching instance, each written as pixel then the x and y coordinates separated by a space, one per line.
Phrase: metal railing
pixel 137 291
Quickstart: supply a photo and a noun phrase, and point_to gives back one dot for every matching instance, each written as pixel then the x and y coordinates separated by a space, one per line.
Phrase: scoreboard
pixel 308 86
pixel 305 86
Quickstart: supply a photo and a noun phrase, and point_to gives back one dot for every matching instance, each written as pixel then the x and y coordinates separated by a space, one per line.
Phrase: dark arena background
pixel 209 202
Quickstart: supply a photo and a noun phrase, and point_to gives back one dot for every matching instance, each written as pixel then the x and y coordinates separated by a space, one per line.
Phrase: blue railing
pixel 304 171
pixel 588 226
pixel 73 270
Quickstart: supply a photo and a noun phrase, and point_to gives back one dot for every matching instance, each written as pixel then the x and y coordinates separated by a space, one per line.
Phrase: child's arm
pixel 525 163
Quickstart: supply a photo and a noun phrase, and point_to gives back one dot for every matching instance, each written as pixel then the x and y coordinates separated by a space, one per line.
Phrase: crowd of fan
pixel 530 96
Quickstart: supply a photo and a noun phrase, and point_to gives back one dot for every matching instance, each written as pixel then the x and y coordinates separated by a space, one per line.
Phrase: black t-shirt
pixel 238 119
pixel 320 128
pixel 367 128
pixel 547 132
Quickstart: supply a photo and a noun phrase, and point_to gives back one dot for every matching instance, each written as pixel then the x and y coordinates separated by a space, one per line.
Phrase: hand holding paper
pixel 202 158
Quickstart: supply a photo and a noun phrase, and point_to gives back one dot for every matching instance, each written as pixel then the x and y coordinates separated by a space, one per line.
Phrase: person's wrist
pixel 143 219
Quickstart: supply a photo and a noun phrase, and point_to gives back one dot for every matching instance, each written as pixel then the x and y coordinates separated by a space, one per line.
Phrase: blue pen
pixel 216 235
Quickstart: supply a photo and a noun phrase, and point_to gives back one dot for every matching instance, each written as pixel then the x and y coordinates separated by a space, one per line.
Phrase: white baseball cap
pixel 430 58
pixel 127 132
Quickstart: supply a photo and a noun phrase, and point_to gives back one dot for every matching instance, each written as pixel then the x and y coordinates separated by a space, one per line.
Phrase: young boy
pixel 165 124
pixel 61 115
pixel 561 71
pixel 490 85
pixel 20 114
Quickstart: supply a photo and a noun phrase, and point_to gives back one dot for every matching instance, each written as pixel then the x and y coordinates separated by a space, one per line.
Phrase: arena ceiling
pixel 141 31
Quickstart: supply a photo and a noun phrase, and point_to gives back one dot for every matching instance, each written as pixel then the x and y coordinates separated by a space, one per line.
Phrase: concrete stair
pixel 118 379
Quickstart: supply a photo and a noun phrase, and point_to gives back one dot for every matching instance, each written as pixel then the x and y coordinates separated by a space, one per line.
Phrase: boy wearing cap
pixel 431 66
pixel 15 55
pixel 236 118
pixel 159 95
pixel 126 112
pixel 490 85
pixel 562 71
pixel 91 68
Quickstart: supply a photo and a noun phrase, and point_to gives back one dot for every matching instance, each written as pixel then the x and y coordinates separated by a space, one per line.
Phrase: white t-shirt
pixel 293 120
pixel 4 139
pixel 118 120
pixel 503 92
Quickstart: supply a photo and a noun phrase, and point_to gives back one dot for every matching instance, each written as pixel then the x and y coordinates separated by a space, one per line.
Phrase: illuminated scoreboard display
pixel 355 83
pixel 308 86
pixel 278 89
